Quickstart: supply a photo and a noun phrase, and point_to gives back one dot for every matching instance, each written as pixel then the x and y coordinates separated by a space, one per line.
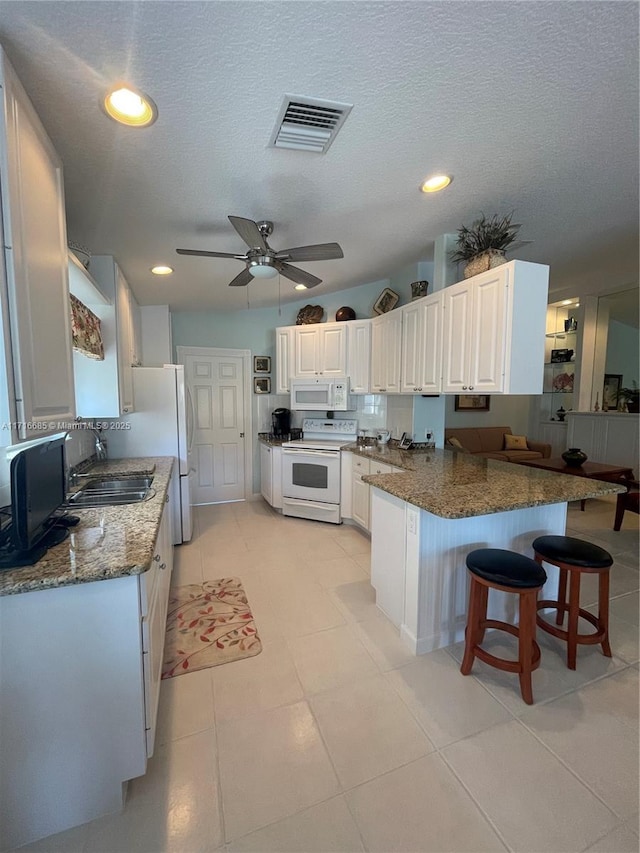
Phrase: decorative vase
pixel 574 457
pixel 418 289
pixel 485 261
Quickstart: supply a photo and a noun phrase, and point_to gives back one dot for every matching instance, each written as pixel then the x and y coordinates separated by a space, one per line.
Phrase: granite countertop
pixel 109 542
pixel 270 441
pixel 456 485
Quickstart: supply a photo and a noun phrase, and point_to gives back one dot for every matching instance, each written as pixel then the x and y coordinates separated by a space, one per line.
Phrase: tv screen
pixel 37 490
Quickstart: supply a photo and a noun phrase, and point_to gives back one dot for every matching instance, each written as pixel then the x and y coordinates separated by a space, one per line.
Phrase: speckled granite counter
pixel 456 485
pixel 109 542
pixel 270 441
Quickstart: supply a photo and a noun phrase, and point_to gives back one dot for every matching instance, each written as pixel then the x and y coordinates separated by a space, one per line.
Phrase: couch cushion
pixel 520 455
pixel 515 442
pixel 468 438
pixel 492 438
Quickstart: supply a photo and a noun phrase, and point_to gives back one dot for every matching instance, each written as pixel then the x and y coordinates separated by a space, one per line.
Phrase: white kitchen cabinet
pixel 135 323
pixel 360 491
pixel 37 387
pixel 271 474
pixel 320 350
pixel 386 344
pixel 284 358
pixel 359 355
pixel 493 331
pixel 104 389
pixel 422 345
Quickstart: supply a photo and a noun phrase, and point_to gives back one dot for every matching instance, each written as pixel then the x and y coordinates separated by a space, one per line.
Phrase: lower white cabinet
pixel 361 491
pixel 271 474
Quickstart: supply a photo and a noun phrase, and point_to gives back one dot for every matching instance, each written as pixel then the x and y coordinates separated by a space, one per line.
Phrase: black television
pixel 38 489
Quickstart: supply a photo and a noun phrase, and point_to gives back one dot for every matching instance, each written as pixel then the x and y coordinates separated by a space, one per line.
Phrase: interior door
pixel 216 386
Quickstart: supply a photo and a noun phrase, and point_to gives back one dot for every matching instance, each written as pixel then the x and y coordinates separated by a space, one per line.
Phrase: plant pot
pixel 574 457
pixel 485 261
pixel 633 406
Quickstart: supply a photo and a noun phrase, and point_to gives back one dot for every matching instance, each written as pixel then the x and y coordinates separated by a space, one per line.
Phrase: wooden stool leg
pixel 603 611
pixel 562 595
pixel 526 637
pixel 473 622
pixel 484 601
pixel 572 627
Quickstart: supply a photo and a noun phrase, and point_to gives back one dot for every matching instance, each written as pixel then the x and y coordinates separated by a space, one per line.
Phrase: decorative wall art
pixel 261 364
pixel 610 389
pixel 418 289
pixel 472 402
pixel 261 385
pixel 387 300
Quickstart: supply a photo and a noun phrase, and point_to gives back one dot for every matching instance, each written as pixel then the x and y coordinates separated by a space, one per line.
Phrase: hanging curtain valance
pixel 85 330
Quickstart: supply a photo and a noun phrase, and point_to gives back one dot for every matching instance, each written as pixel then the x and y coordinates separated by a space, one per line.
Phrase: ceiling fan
pixel 263 262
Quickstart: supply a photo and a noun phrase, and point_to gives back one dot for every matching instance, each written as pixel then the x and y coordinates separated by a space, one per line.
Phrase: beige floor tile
pixel 619 840
pixel 420 807
pixel 356 601
pixel 382 641
pixel 622 580
pixel 531 798
pixel 303 608
pixel 259 683
pixel 448 705
pixel 187 565
pixel 185 706
pixel 272 765
pixel 624 634
pixel 329 659
pixel 326 828
pixel 173 808
pixel 368 730
pixel 364 561
pixel 353 540
pixel 595 732
pixel 333 572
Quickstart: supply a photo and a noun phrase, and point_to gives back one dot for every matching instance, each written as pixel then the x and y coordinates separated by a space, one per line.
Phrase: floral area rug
pixel 208 624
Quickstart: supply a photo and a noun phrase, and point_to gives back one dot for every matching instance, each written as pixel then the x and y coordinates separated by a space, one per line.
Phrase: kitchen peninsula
pixel 82 635
pixel 425 520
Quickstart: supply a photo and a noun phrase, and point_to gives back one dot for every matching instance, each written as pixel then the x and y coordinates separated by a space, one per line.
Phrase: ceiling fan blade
pixel 319 252
pixel 249 232
pixel 298 275
pixel 241 279
pixel 199 253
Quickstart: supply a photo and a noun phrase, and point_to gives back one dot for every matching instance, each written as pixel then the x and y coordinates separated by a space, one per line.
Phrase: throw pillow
pixel 515 442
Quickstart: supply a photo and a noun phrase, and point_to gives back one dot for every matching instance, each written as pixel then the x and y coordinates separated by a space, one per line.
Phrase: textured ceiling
pixel 532 107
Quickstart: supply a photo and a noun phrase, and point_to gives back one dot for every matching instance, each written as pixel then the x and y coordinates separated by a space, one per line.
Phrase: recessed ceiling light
pixel 300 287
pixel 567 302
pixel 129 106
pixel 161 269
pixel 436 183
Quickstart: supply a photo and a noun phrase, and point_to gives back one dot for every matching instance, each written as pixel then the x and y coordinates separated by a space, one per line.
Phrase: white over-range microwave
pixel 321 395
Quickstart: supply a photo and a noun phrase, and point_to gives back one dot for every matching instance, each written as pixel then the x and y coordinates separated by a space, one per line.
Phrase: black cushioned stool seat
pixel 573 557
pixel 507 571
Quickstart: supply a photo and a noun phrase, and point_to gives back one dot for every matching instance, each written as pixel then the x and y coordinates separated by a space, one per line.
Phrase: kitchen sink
pixel 112 492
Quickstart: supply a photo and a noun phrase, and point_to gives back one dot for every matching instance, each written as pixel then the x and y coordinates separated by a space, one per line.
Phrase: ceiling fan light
pixel 263 271
pixel 300 287
pixel 161 269
pixel 436 183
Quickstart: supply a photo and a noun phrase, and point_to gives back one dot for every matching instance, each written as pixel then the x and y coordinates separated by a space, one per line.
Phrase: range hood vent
pixel 308 124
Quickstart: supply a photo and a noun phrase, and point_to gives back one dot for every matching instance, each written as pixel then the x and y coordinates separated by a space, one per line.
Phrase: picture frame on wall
pixel 261 385
pixel 610 389
pixel 262 364
pixel 472 402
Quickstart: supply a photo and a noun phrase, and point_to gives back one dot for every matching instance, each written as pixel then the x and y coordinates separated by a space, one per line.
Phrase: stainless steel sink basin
pixel 112 492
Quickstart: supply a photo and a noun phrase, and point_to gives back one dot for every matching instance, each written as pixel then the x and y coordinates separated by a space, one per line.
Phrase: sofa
pixel 489 443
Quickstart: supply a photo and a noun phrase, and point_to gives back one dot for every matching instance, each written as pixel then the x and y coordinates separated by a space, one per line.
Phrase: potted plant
pixel 630 397
pixel 483 245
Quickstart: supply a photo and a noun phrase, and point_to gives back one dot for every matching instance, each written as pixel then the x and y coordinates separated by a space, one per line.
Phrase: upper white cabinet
pixel 284 358
pixel 320 350
pixel 422 345
pixel 386 343
pixel 104 389
pixel 359 355
pixel 37 387
pixel 493 331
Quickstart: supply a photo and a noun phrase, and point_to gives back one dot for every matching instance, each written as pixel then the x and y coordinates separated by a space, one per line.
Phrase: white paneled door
pixel 217 387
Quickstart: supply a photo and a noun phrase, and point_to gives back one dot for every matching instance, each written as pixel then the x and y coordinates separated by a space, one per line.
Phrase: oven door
pixel 312 475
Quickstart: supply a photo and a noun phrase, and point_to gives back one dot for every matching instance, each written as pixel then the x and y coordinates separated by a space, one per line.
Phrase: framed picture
pixel 261 364
pixel 612 384
pixel 387 300
pixel 406 441
pixel 472 402
pixel 261 385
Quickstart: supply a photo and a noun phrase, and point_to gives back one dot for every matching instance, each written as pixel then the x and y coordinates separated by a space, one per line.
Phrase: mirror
pixel 617 345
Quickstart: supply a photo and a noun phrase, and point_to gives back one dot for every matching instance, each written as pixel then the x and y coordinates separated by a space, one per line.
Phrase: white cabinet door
pixel 359 355
pixel 284 358
pixel 388 554
pixel 411 346
pixel 306 351
pixel 457 337
pixel 487 368
pixel 320 350
pixel 123 329
pixel 386 343
pixel 360 496
pixel 35 248
pixel 422 345
pixel 266 479
pixel 135 322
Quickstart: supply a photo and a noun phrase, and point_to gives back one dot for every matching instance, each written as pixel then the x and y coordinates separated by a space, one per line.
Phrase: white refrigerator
pixel 161 426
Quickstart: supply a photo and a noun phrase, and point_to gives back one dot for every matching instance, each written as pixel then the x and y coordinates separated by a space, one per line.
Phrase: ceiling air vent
pixel 308 124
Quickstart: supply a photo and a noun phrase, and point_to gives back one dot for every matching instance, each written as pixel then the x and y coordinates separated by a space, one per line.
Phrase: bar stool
pixel 495 568
pixel 574 557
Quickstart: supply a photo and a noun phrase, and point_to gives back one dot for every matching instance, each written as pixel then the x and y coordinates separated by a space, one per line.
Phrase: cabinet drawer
pixel 361 465
pixel 381 468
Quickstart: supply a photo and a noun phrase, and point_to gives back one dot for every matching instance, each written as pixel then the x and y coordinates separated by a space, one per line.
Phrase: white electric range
pixel 311 469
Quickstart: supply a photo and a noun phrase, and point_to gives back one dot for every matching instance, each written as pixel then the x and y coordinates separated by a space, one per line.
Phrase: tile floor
pixel 336 739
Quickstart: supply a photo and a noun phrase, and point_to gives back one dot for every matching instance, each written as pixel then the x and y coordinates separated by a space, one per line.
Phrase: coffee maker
pixel 281 422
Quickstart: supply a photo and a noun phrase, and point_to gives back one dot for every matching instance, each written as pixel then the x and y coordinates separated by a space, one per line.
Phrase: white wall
pixel 623 352
pixel 509 411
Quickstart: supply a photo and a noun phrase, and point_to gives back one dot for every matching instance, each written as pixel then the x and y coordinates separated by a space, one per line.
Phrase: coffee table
pixel 590 470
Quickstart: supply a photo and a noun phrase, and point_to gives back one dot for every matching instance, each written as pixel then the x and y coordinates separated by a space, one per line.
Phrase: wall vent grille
pixel 308 124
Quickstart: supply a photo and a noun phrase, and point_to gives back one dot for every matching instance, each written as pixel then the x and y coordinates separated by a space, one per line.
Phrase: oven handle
pixel 307 452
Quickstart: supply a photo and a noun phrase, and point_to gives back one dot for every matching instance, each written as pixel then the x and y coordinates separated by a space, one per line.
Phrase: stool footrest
pixel 503 663
pixel 584 639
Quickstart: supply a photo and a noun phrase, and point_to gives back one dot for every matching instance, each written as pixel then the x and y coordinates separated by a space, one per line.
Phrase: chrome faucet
pixel 101 444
